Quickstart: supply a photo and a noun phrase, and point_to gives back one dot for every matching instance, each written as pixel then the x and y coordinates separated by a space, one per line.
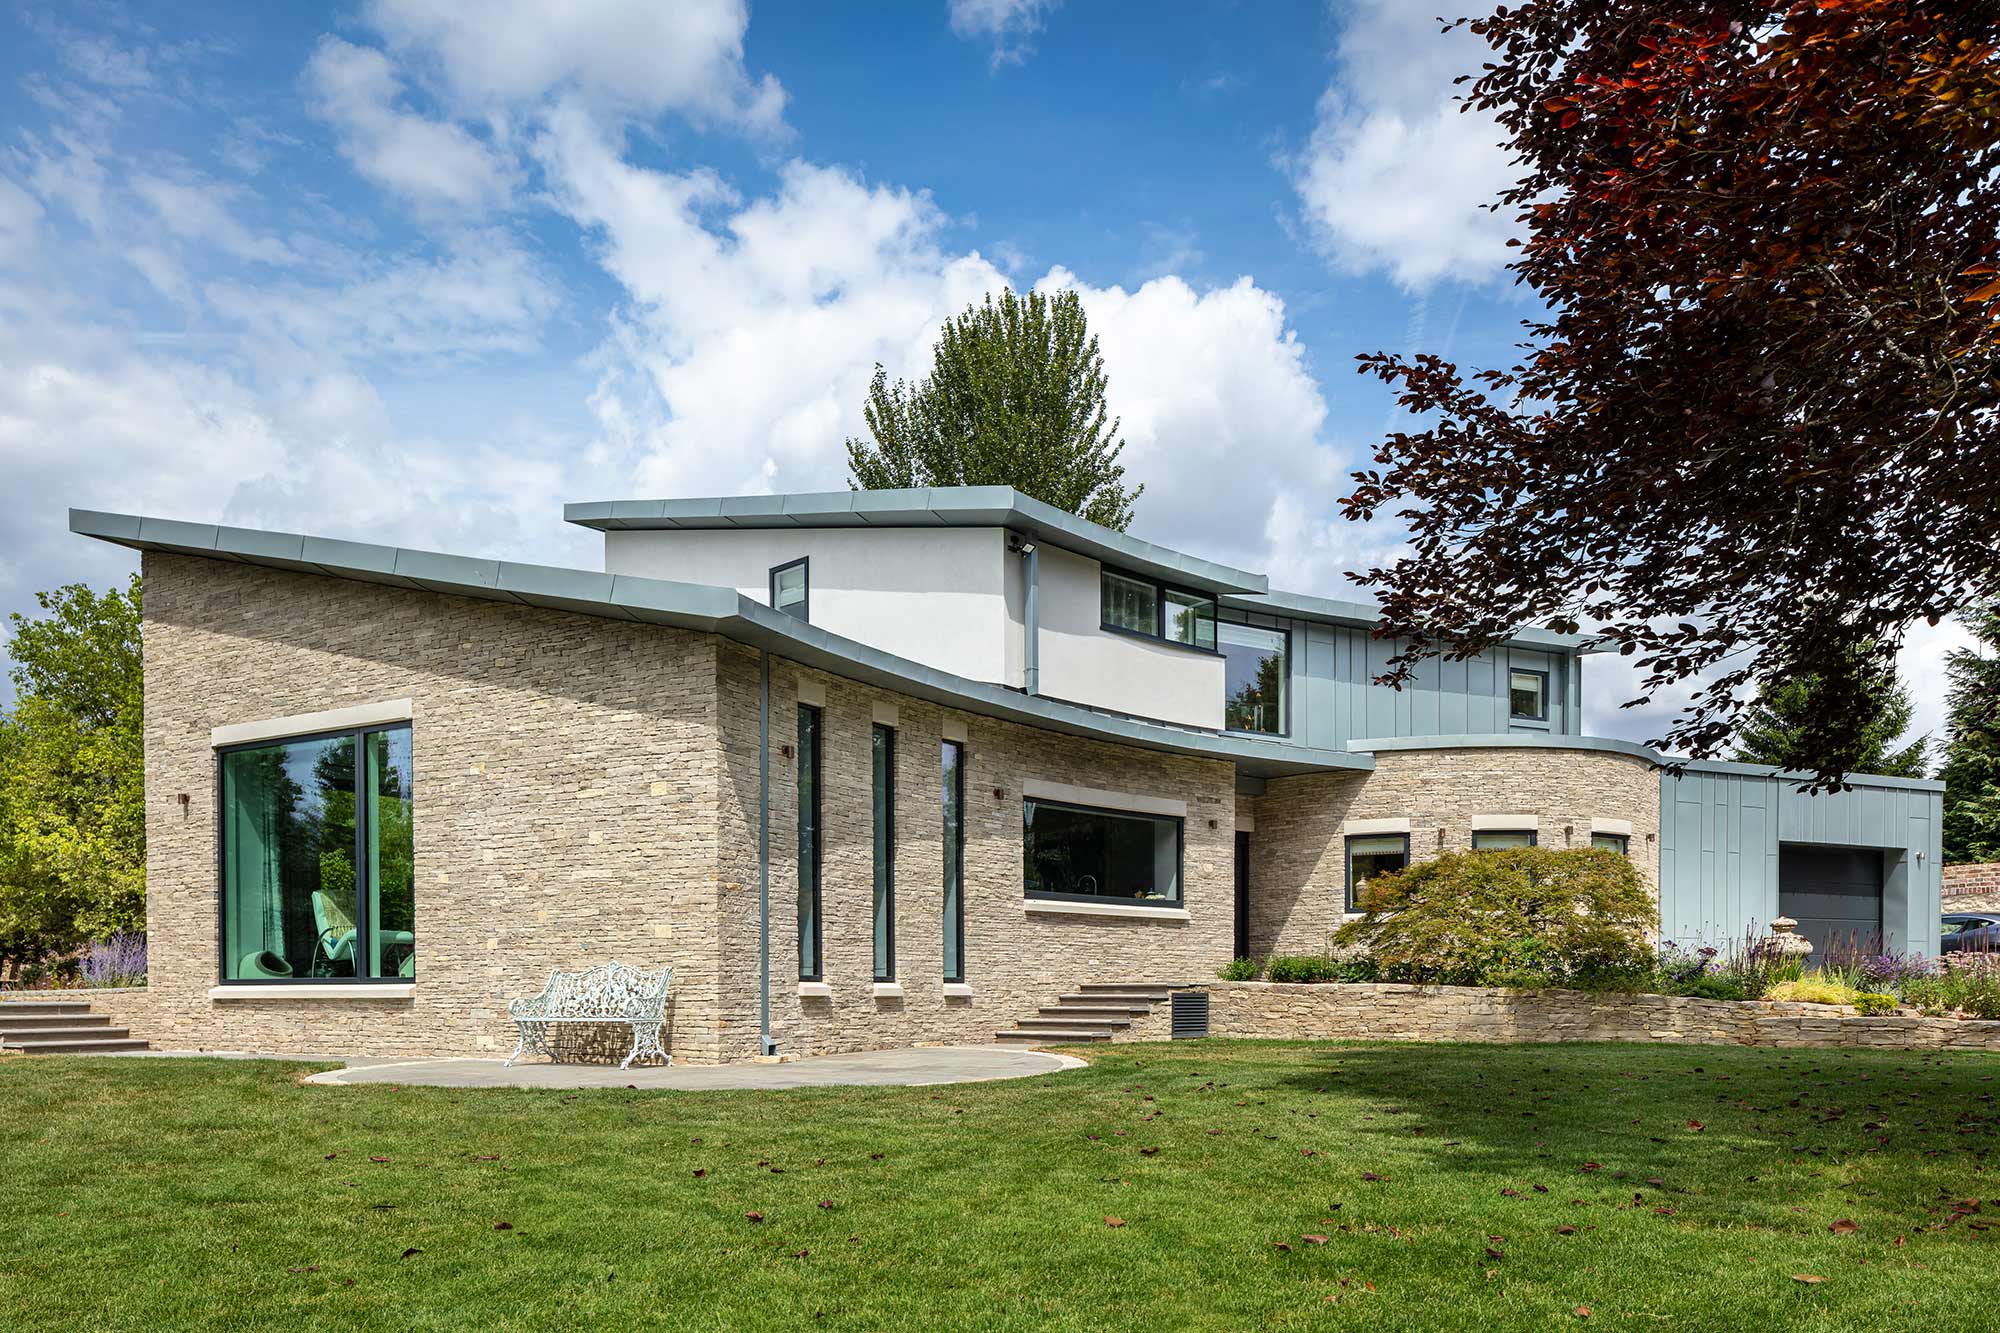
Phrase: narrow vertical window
pixel 954 861
pixel 791 591
pixel 809 842
pixel 885 853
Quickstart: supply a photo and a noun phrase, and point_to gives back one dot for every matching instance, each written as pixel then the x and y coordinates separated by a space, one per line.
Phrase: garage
pixel 1834 893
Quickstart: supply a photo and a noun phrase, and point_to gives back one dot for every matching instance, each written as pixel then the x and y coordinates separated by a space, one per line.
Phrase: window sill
pixel 888 990
pixel 360 990
pixel 957 990
pixel 1033 905
pixel 815 990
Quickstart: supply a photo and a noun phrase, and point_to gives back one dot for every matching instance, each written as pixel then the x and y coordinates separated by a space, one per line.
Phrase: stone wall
pixel 1298 859
pixel 1015 960
pixel 1971 888
pixel 1479 1014
pixel 566 799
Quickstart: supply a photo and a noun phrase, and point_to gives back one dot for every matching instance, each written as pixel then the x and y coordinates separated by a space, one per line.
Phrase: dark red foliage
pixel 1753 435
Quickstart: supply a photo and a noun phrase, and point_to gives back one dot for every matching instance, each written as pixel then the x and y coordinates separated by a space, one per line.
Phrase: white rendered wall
pixel 936 595
pixel 1088 664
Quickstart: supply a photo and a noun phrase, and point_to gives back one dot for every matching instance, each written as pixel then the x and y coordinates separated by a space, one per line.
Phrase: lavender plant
pixel 117 961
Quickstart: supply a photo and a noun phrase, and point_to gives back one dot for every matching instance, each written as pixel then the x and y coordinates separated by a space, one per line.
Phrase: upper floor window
pixel 1256 677
pixel 1528 695
pixel 789 590
pixel 1144 606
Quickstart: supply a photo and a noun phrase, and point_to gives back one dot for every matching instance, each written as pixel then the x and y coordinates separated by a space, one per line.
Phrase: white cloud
pixel 194 211
pixel 1395 177
pixel 20 223
pixel 1008 24
pixel 432 163
pixel 627 56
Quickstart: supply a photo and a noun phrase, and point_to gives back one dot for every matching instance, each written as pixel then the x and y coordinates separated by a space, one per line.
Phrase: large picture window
pixel 884 745
pixel 1369 855
pixel 1133 605
pixel 1256 677
pixel 954 860
pixel 1076 852
pixel 809 842
pixel 318 858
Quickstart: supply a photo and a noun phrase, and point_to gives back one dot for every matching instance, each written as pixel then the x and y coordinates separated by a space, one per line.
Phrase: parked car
pixel 1975 932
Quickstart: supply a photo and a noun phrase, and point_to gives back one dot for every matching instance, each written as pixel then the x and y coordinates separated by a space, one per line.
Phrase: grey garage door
pixel 1834 893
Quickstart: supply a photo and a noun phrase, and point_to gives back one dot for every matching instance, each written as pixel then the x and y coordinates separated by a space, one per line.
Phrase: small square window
pixel 1493 840
pixel 1611 842
pixel 1369 855
pixel 1528 695
pixel 1130 604
pixel 789 589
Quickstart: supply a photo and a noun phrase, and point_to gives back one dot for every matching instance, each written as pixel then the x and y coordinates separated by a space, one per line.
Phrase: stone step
pixel 1133 994
pixel 1122 1013
pixel 67 1018
pixel 11 1008
pixel 1052 1037
pixel 1073 1022
pixel 41 1044
pixel 1122 1002
pixel 104 1030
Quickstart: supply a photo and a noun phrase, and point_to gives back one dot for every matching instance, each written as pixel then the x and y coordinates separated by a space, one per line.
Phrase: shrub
pixel 1812 990
pixel 1711 988
pixel 1297 968
pixel 118 961
pixel 1238 969
pixel 1870 1002
pixel 1891 971
pixel 1527 916
pixel 1929 996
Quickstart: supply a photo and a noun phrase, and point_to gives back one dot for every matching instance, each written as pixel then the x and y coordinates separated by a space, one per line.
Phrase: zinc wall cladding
pixel 1298 861
pixel 1015 960
pixel 1721 832
pixel 566 799
pixel 1334 698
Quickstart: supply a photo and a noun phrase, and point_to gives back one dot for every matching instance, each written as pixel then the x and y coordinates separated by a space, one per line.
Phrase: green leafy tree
pixel 1787 726
pixel 1971 769
pixel 1015 398
pixel 72 779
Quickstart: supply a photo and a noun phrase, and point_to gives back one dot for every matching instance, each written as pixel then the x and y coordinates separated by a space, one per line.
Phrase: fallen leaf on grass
pixel 1492 1253
pixel 700 1171
pixel 1565 1231
pixel 503 1226
pixel 1111 1221
pixel 1313 1240
pixel 1581 1312
pixel 1844 1227
pixel 1696 1126
pixel 1807 1278
pixel 412 1250
pixel 826 1203
pixel 493 1157
pixel 1510 1194
pixel 1369 1175
pixel 1147 1152
pixel 754 1217
pixel 309 1268
pixel 1593 1166
pixel 1280 1245
pixel 378 1159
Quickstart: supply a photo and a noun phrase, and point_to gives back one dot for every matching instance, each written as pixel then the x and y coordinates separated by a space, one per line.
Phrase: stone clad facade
pixel 586 790
pixel 1298 850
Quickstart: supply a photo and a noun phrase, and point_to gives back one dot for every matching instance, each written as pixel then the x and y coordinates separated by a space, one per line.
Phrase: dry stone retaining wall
pixel 1385 1012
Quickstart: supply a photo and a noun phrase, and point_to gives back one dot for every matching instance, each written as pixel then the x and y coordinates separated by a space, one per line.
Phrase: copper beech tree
pixel 1752 435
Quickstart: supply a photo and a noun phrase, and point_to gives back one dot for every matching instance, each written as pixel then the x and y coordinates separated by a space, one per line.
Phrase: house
pixel 867 769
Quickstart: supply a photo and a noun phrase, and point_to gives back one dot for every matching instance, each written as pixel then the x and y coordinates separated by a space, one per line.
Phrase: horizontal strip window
pixel 1131 604
pixel 1079 853
pixel 316 857
pixel 1612 842
pixel 1495 840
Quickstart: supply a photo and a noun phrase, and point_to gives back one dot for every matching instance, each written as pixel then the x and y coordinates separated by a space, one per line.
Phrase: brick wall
pixel 1298 860
pixel 1971 888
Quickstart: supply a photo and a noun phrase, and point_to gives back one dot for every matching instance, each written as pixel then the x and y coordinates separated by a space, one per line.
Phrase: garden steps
pixel 1094 1011
pixel 61 1027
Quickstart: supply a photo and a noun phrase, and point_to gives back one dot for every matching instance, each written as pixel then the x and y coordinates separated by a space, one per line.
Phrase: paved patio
pixel 906 1068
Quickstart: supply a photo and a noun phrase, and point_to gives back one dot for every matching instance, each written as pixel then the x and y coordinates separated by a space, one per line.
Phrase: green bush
pixel 1238 969
pixel 1527 916
pixel 1300 968
pixel 1812 990
pixel 1711 987
pixel 1869 1002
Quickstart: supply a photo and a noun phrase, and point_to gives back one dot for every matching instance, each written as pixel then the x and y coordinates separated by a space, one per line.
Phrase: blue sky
pixel 387 271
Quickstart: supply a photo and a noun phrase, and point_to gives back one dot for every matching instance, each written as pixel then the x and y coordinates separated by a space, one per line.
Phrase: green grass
pixel 162 1193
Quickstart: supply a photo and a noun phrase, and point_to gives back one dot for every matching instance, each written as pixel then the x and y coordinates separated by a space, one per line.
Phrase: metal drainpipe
pixel 765 1045
pixel 1031 647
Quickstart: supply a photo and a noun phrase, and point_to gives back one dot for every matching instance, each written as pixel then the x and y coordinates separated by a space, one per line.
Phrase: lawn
pixel 1210 1184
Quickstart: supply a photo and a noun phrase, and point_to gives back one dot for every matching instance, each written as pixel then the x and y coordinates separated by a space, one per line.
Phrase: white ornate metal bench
pixel 607 993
